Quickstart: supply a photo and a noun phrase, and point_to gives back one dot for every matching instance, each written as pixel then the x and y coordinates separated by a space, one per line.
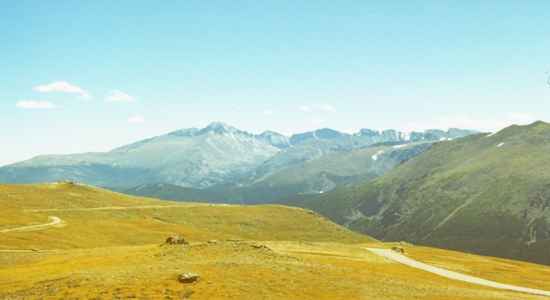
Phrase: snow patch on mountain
pixel 375 157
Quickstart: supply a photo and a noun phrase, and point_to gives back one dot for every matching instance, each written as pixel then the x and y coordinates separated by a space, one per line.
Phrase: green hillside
pixel 487 194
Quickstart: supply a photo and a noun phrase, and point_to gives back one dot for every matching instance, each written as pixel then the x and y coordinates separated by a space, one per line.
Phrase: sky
pixel 89 76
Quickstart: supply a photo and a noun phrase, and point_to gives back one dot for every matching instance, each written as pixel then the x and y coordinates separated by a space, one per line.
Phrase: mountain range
pixel 221 155
pixel 487 194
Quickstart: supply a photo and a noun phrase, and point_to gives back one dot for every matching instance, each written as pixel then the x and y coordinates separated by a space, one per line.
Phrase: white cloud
pixel 268 112
pixel 521 118
pixel 445 123
pixel 201 123
pixel 63 86
pixel 317 120
pixel 483 125
pixel 134 120
pixel 325 106
pixel 36 105
pixel 118 96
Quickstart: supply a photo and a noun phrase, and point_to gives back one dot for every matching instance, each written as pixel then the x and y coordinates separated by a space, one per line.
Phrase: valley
pixel 321 174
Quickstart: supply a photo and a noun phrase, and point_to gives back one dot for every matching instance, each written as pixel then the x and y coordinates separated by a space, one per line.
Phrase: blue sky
pixel 80 76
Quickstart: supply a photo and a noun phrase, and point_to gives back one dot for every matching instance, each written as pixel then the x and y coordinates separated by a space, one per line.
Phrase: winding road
pixel 120 207
pixel 55 220
pixel 453 275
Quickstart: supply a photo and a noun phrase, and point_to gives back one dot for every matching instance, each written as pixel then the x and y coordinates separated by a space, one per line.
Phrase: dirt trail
pixel 119 207
pixel 55 220
pixel 453 275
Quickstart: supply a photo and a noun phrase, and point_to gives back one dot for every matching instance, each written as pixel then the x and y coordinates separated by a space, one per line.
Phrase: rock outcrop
pixel 188 278
pixel 176 240
pixel 260 246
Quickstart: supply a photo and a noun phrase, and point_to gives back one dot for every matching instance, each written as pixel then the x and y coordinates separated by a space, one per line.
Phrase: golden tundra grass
pixel 116 254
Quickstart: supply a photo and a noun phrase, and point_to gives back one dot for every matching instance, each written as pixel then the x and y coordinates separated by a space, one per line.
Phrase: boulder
pixel 260 246
pixel 176 240
pixel 188 278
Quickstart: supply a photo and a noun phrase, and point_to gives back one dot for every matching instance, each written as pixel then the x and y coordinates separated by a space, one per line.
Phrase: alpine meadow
pixel 274 150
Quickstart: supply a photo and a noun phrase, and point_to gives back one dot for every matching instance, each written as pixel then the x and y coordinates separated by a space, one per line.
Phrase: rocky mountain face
pixel 309 145
pixel 187 157
pixel 200 158
pixel 322 174
pixel 487 193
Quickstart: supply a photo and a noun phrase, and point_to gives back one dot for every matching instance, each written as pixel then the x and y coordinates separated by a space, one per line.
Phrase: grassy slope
pixel 292 270
pixel 115 253
pixel 134 226
pixel 469 194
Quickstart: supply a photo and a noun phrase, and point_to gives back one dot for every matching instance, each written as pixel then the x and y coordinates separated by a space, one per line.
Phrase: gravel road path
pixel 121 207
pixel 453 275
pixel 55 220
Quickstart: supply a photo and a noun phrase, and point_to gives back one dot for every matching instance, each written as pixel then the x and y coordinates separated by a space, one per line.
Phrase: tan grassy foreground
pixel 115 254
pixel 94 217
